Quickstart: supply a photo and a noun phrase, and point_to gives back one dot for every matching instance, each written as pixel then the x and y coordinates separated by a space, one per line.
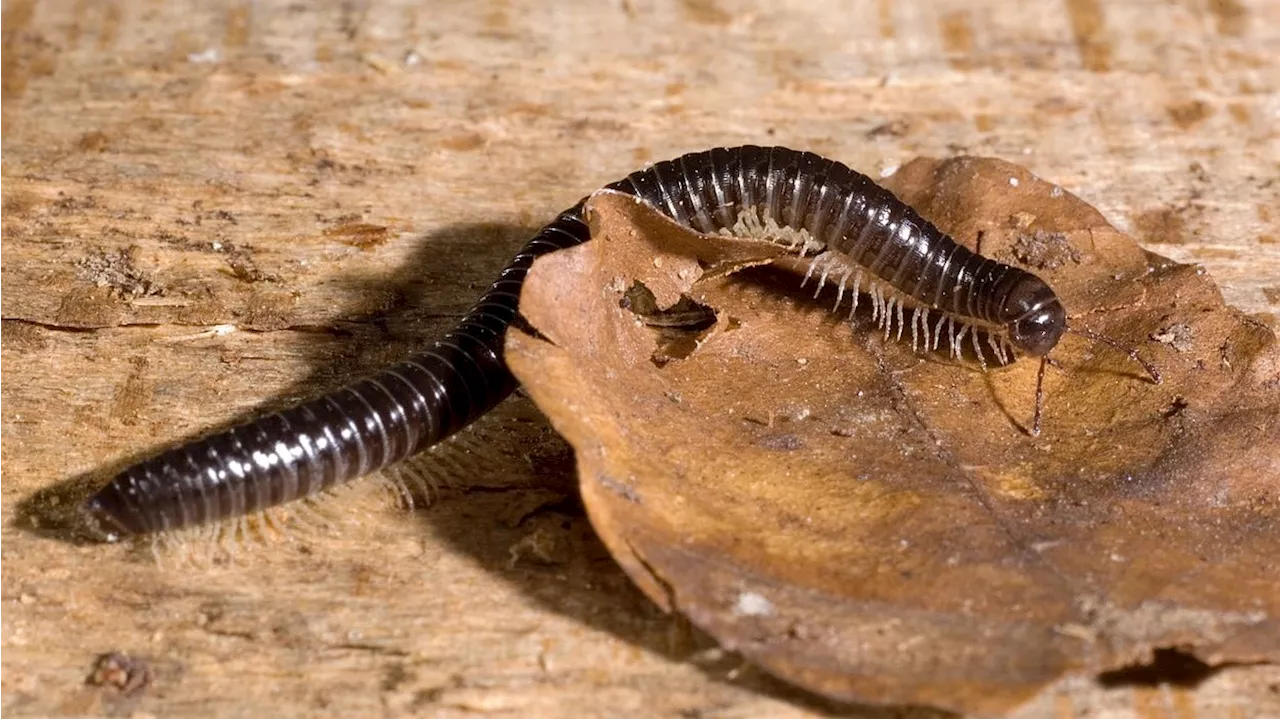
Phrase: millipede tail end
pixel 104 514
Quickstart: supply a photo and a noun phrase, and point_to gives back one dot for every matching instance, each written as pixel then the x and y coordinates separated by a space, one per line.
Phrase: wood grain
pixel 210 209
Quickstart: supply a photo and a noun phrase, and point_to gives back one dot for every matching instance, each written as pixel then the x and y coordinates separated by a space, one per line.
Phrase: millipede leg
pixel 822 279
pixel 996 349
pixel 840 290
pixel 1035 422
pixel 813 264
pixel 915 320
pixel 857 284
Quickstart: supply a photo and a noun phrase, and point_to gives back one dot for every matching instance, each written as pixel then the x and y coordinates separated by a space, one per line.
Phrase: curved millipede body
pixel 849 224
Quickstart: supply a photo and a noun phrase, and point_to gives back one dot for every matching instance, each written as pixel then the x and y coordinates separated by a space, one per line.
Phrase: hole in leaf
pixel 679 328
pixel 1168 665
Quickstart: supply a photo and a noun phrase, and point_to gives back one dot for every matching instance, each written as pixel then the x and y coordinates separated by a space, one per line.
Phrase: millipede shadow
pixel 456 261
pixel 1023 426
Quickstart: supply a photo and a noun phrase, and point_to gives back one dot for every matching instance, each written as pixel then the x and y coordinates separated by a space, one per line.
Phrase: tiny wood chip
pixel 874 524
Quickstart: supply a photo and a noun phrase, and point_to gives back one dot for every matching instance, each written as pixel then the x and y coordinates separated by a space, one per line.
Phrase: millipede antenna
pixel 1087 334
pixel 1133 353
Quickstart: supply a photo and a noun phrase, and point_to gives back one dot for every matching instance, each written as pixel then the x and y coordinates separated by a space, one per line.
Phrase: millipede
pixel 849 230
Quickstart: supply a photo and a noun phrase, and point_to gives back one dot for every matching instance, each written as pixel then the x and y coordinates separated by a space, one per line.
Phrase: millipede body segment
pixel 852 228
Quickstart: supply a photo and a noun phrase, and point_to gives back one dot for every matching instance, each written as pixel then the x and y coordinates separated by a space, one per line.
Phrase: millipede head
pixel 1033 315
pixel 1038 331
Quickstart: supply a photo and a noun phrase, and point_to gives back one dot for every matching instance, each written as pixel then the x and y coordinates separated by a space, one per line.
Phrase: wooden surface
pixel 215 208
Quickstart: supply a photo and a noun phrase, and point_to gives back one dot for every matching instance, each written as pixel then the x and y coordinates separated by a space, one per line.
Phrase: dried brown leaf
pixel 875 525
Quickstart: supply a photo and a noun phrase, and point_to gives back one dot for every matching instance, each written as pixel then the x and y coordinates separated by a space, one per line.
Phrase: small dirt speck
pixel 894 128
pixel 119 671
pixel 1178 336
pixel 242 265
pixel 1187 115
pixel 93 141
pixel 118 270
pixel 69 203
pixel 362 235
pixel 782 442
pixel 1045 250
